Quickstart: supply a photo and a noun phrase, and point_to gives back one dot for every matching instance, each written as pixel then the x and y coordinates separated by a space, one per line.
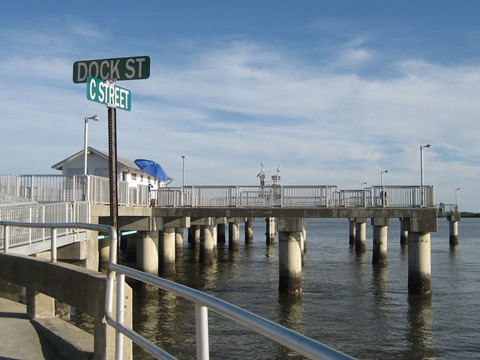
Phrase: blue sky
pixel 333 91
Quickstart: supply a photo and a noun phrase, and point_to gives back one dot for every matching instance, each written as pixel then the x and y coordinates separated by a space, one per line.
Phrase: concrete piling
pixel 249 231
pixel 290 255
pixel 419 264
pixel 167 252
pixel 361 235
pixel 380 237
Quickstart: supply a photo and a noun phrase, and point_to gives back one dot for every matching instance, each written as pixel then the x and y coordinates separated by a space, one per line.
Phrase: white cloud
pixel 231 106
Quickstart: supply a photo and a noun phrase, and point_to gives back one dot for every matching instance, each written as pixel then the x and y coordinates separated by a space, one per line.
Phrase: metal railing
pixel 292 196
pixel 96 190
pixel 203 302
pixel 47 213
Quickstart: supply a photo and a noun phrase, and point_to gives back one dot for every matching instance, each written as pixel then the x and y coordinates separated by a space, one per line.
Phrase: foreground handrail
pixel 294 341
pixel 301 344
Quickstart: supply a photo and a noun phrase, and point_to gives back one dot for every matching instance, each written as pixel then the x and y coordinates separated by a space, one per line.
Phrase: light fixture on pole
pixel 85 141
pixel 183 177
pixel 383 194
pixel 422 190
pixel 381 177
pixel 456 198
pixel 361 185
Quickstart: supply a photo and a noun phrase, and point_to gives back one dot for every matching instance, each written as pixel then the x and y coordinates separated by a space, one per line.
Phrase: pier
pixel 156 222
pixel 161 217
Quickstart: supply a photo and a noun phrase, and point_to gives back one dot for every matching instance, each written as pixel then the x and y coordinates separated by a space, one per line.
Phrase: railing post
pixel 201 326
pixel 53 244
pixel 120 309
pixel 6 238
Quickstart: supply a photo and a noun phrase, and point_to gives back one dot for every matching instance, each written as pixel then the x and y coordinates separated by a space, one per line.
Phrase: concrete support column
pixel 221 233
pixel 132 246
pixel 39 306
pixel 206 245
pixel 233 236
pixel 197 234
pixel 249 231
pixel 147 257
pixel 191 236
pixel 270 230
pixel 166 254
pixel 403 232
pixel 352 231
pixel 361 235
pixel 103 254
pixel 304 236
pixel 290 255
pixel 380 237
pixel 419 263
pixel 147 252
pixel 179 243
pixel 453 225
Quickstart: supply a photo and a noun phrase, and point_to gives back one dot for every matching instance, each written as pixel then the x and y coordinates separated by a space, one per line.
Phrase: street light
pixel 183 177
pixel 85 140
pixel 383 194
pixel 422 190
pixel 361 185
pixel 381 176
pixel 456 198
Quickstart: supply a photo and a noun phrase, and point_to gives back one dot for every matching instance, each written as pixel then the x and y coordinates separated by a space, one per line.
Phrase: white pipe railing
pixel 299 343
pixel 95 189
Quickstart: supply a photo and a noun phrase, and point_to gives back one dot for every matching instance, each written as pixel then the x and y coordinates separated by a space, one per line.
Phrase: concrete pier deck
pixel 20 339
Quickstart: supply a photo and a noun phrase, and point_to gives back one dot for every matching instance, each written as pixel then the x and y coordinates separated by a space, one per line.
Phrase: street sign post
pixel 128 68
pixel 94 73
pixel 109 94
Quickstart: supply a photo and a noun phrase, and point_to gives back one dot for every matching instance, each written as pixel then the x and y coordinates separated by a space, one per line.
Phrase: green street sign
pixel 109 94
pixel 128 68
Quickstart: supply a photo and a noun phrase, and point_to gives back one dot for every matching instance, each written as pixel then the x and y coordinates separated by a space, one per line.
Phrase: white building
pixel 98 165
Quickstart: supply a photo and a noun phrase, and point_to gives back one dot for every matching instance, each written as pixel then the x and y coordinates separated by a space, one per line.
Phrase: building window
pixel 134 176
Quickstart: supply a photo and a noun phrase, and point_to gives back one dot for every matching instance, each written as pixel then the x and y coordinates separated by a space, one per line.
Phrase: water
pixel 346 303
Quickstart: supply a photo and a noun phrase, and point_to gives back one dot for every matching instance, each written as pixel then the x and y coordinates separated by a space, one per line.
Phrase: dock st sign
pixel 108 93
pixel 128 68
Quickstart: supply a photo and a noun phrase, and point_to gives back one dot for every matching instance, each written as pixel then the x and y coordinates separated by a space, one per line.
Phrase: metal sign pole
pixel 112 158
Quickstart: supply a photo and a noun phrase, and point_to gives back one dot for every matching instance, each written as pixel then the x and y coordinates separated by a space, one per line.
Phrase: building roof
pixel 122 163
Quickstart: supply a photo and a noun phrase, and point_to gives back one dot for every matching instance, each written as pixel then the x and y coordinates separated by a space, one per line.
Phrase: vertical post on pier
pixel 233 235
pixel 179 242
pixel 221 232
pixel 147 256
pixel 290 254
pixel 453 227
pixel 403 232
pixel 352 231
pixel 270 230
pixel 249 231
pixel 361 235
pixel 419 264
pixel 166 254
pixel 380 238
pixel 206 242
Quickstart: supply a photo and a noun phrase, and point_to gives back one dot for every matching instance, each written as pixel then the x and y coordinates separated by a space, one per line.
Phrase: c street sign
pixel 109 94
pixel 128 68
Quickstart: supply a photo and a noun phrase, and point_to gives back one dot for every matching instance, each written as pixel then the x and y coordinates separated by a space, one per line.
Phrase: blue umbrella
pixel 152 168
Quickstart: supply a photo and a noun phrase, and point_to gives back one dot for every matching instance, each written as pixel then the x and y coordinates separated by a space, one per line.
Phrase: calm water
pixel 346 303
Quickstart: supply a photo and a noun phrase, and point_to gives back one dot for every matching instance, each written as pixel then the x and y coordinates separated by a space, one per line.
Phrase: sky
pixel 330 92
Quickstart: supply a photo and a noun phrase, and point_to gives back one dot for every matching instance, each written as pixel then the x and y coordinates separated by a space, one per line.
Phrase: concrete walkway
pixel 19 338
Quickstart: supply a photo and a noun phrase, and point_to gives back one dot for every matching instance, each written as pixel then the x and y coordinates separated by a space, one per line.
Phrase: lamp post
pixel 85 141
pixel 422 190
pixel 456 199
pixel 361 185
pixel 183 177
pixel 381 177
